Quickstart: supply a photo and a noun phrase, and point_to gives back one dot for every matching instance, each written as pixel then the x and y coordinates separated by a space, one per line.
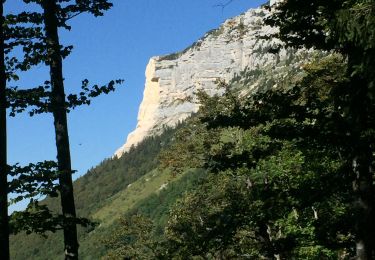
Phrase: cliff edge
pixel 234 48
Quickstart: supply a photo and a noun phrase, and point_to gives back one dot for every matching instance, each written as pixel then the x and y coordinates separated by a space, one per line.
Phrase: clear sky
pixel 115 46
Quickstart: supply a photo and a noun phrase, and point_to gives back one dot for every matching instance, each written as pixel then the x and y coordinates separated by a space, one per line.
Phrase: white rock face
pixel 172 80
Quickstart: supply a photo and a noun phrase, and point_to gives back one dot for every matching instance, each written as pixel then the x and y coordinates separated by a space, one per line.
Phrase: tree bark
pixel 4 221
pixel 362 157
pixel 365 207
pixel 61 128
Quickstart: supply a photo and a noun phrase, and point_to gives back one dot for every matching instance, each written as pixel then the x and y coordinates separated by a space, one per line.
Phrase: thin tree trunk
pixel 266 239
pixel 61 128
pixel 4 222
pixel 366 217
pixel 362 159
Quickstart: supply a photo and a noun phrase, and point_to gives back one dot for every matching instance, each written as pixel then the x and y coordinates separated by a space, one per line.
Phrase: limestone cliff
pixel 231 50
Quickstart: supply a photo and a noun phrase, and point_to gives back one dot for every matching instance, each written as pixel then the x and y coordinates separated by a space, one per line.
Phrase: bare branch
pixel 222 5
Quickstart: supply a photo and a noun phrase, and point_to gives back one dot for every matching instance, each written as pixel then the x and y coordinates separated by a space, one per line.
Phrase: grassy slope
pixel 144 197
pixel 126 199
pixel 102 186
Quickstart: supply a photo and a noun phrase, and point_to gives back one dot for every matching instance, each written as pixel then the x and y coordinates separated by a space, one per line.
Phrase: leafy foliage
pixel 40 219
pixel 277 171
pixel 33 180
pixel 347 27
pixel 133 240
pixel 38 100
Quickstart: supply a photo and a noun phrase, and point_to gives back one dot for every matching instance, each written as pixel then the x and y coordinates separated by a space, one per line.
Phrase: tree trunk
pixel 61 128
pixel 4 222
pixel 365 207
pixel 362 157
pixel 266 239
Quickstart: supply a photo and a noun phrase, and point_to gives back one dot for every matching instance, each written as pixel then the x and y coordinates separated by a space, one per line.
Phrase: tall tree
pixel 55 15
pixel 348 27
pixel 26 182
pixel 4 222
pixel 25 30
pixel 61 127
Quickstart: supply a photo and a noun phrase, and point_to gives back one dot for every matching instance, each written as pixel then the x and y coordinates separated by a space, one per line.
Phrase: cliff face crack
pixel 156 79
pixel 232 52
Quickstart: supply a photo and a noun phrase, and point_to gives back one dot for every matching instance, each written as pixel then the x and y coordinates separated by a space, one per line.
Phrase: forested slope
pixel 252 175
pixel 280 170
pixel 95 191
pixel 136 192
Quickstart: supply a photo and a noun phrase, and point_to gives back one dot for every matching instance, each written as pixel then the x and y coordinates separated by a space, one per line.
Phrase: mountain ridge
pixel 172 80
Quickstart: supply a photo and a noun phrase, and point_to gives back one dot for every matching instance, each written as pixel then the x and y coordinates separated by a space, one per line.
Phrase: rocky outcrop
pixel 224 53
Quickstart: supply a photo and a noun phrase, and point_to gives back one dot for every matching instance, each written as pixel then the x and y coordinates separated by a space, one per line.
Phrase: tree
pixel 27 31
pixel 348 27
pixel 133 240
pixel 4 222
pixel 47 49
pixel 61 127
pixel 30 181
pixel 276 172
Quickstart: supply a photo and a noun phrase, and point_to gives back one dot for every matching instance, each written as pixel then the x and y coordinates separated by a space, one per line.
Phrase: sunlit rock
pixel 232 49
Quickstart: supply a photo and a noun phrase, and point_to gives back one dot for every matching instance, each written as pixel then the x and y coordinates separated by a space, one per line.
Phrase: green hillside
pixel 104 194
pixel 180 175
pixel 250 176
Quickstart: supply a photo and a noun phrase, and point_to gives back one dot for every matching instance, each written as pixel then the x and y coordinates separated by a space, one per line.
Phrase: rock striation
pixel 234 49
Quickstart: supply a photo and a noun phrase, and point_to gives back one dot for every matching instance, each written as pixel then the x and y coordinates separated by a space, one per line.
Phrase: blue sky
pixel 115 46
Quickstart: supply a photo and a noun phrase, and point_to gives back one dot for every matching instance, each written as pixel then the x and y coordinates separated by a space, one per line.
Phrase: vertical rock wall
pixel 172 80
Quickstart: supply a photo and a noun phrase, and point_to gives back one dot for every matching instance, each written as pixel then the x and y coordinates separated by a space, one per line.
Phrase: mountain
pixel 235 47
pixel 131 181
